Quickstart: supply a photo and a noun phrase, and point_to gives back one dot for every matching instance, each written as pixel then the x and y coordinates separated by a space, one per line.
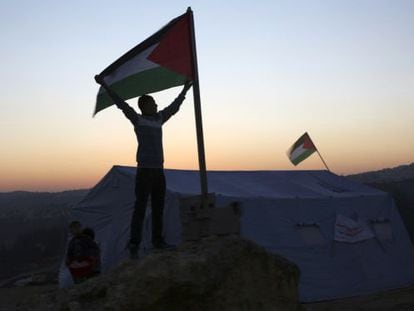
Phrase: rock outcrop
pixel 226 273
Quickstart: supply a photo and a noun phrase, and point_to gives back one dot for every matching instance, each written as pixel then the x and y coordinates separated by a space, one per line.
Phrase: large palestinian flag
pixel 301 149
pixel 162 61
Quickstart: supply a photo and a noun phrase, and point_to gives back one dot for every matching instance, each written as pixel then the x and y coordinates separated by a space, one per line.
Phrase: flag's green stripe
pixel 145 82
pixel 303 156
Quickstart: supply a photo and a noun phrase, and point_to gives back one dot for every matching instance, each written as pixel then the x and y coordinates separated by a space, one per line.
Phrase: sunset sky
pixel 269 71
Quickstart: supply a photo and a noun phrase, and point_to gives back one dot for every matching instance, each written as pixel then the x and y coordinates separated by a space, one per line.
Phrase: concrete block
pixel 200 221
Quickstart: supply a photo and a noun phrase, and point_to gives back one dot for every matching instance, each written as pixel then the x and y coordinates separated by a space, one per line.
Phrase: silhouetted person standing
pixel 150 179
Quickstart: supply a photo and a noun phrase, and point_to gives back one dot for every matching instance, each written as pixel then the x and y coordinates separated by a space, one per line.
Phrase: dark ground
pixel 393 300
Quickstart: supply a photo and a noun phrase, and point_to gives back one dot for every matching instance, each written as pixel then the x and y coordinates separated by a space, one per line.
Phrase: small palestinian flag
pixel 301 149
pixel 162 61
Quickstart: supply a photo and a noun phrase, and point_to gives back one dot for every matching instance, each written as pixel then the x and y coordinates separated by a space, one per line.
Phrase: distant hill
pixel 387 175
pixel 22 204
pixel 33 230
pixel 399 182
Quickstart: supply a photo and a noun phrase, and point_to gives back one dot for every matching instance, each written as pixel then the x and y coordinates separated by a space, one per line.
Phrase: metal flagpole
pixel 323 161
pixel 197 110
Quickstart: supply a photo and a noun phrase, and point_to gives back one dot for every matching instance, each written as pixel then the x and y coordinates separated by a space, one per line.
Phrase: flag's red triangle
pixel 308 143
pixel 174 50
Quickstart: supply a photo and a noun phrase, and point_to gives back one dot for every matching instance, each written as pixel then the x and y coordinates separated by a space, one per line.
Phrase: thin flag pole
pixel 317 150
pixel 197 110
pixel 323 161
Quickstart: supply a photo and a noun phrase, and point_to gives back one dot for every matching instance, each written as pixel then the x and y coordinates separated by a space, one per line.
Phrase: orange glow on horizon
pixel 78 175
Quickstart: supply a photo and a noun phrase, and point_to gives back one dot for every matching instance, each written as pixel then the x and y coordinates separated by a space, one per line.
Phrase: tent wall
pixel 333 269
pixel 272 219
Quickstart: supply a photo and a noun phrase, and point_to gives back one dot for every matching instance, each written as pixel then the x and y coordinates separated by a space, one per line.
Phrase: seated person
pixel 83 254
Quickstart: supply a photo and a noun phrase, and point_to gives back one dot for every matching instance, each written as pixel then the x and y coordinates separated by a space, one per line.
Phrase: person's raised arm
pixel 119 102
pixel 170 110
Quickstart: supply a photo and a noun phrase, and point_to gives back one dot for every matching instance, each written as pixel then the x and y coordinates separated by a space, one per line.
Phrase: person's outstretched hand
pixel 99 79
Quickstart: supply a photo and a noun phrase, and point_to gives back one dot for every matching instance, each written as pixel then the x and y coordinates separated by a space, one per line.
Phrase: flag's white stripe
pixel 133 66
pixel 297 152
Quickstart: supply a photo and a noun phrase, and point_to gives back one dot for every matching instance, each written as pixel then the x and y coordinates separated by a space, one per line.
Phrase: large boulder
pixel 226 273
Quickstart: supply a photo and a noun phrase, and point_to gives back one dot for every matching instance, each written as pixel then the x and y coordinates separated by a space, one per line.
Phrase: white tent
pixel 297 214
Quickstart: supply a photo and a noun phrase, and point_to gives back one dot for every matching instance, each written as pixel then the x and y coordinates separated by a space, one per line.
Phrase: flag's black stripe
pixel 156 37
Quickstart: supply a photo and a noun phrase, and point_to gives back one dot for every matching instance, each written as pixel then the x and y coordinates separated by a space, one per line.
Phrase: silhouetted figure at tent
pixel 93 251
pixel 150 179
pixel 83 254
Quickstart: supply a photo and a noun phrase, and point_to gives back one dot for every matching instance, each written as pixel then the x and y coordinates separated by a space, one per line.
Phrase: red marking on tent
pixel 174 50
pixel 349 231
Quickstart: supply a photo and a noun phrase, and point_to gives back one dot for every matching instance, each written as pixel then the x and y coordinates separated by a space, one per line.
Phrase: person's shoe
pixel 162 245
pixel 133 250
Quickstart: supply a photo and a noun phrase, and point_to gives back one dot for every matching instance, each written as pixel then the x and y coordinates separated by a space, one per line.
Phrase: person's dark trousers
pixel 149 181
